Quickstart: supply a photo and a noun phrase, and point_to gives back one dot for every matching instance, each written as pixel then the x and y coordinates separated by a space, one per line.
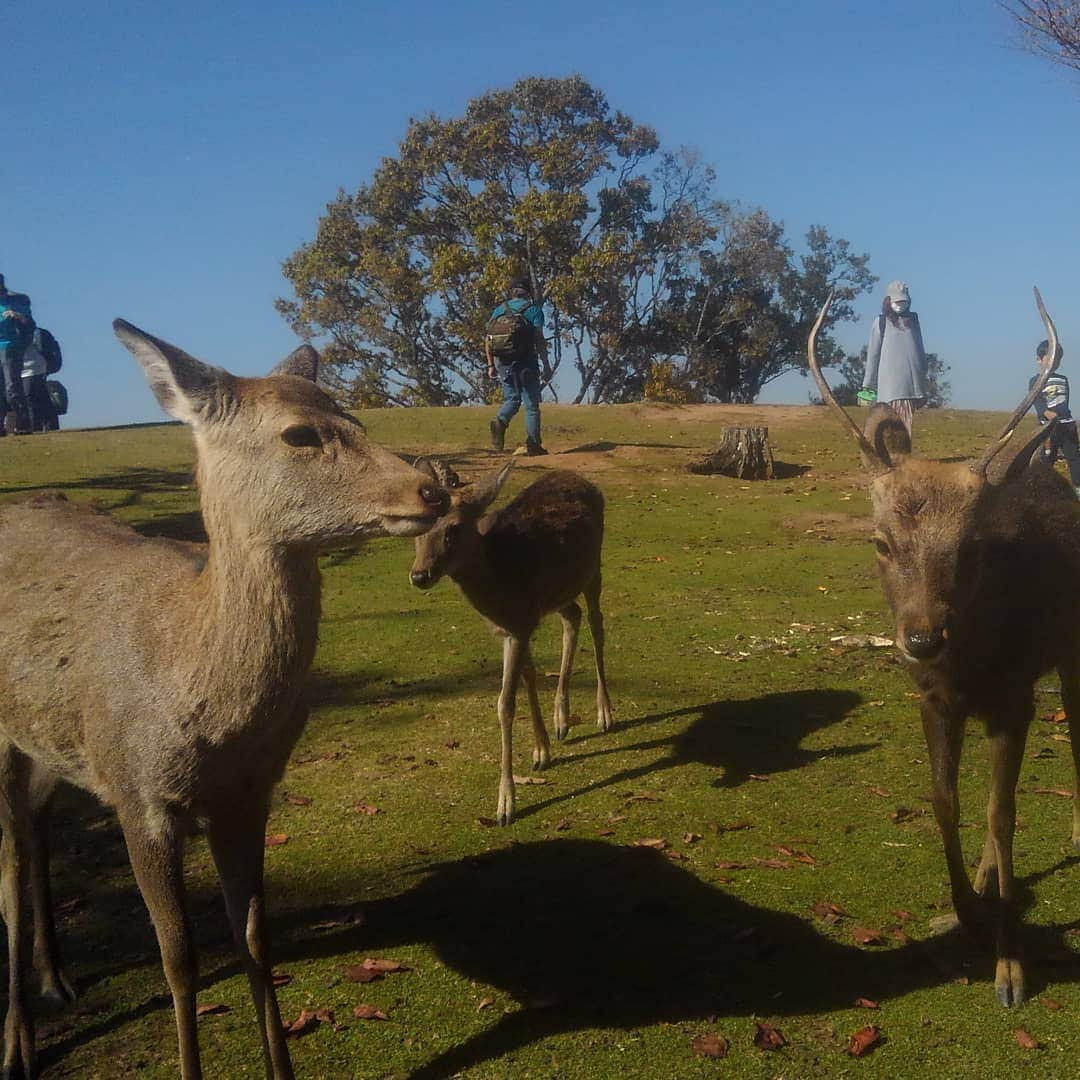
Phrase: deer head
pixel 456 538
pixel 279 462
pixel 926 512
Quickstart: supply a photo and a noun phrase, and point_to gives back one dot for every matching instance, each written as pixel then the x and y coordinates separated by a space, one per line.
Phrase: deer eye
pixel 881 546
pixel 301 435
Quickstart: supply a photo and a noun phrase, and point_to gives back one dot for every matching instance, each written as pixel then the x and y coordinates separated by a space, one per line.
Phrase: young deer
pixel 534 556
pixel 171 684
pixel 981 568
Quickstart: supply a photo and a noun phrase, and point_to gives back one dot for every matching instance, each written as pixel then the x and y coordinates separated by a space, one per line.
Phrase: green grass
pixel 556 947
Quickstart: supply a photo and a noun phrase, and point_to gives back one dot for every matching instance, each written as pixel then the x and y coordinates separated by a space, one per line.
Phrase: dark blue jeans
pixel 11 361
pixel 521 384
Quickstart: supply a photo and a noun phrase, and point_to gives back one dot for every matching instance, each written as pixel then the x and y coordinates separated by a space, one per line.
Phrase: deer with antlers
pixel 980 564
pixel 535 556
pixel 169 682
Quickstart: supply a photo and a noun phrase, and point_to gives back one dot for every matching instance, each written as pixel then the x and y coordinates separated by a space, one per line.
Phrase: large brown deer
pixel 535 556
pixel 980 563
pixel 170 684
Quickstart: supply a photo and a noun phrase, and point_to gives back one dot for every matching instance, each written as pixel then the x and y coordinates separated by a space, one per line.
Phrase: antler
pixel 873 460
pixel 980 466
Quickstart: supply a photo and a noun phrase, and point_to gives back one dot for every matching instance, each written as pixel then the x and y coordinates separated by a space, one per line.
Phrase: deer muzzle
pixel 923 644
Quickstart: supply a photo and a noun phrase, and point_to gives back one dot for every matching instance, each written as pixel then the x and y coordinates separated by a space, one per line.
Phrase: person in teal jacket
pixel 16 330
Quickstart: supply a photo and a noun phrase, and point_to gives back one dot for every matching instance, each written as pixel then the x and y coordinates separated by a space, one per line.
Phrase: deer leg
pixel 596 628
pixel 986 875
pixel 513 659
pixel 20 1059
pixel 237 844
pixel 943 727
pixel 156 855
pixel 541 745
pixel 571 624
pixel 55 985
pixel 1007 739
pixel 1070 699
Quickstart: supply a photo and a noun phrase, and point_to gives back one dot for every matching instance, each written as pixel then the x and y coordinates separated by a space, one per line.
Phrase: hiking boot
pixel 498 434
pixel 534 449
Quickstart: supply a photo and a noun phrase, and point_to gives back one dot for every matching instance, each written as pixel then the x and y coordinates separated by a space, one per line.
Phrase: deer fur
pixel 534 556
pixel 168 679
pixel 980 564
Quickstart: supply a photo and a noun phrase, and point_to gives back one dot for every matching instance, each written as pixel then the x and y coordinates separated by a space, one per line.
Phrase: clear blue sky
pixel 160 160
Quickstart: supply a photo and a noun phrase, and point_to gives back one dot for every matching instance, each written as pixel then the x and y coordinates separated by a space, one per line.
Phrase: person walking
pixel 895 358
pixel 1053 404
pixel 36 368
pixel 515 347
pixel 16 329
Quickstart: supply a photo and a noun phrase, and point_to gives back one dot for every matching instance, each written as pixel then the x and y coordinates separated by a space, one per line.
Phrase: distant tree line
pixel 653 285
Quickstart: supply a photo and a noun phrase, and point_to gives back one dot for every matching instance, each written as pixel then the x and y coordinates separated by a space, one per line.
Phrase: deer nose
pixel 435 496
pixel 420 578
pixel 923 644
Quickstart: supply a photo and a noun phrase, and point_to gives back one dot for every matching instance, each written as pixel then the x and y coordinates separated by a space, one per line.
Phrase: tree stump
pixel 742 452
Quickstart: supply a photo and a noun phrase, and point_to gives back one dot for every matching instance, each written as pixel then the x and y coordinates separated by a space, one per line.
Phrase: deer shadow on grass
pixel 742 738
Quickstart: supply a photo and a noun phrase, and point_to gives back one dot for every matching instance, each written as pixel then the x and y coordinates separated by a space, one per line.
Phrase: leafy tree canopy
pixel 623 242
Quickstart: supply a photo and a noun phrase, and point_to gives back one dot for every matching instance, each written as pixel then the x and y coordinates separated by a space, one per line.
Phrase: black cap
pixel 520 284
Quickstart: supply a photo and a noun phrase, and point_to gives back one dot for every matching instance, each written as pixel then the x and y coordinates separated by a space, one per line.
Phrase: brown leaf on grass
pixel 880 792
pixel 561 825
pixel 735 826
pixel 280 978
pixel 346 918
pixel 651 842
pixel 66 907
pixel 307 1021
pixel 712 1046
pixel 606 832
pixel 1063 792
pixel 768 1038
pixel 212 1010
pixel 1058 716
pixel 531 780
pixel 901 914
pixel 1027 1040
pixel 614 819
pixel 863 1041
pixel 691 837
pixel 359 974
pixel 369 1012
pixel 484 1003
pixel 863 935
pixel 828 912
pixel 1051 1003
pixel 904 813
pixel 773 864
pixel 486 822
pixel 377 963
pixel 298 800
pixel 723 864
pixel 759 777
pixel 276 839
pixel 365 808
pixel 798 856
pixel 866 1003
pixel 677 856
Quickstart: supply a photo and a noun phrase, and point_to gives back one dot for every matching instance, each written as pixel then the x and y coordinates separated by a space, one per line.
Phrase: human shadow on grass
pixel 138 479
pixel 743 738
pixel 583 934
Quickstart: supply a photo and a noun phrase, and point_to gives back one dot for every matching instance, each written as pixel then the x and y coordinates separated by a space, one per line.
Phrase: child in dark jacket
pixel 1053 404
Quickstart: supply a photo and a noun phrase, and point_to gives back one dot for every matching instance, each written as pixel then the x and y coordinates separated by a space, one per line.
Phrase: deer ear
pixel 302 362
pixel 886 433
pixel 185 388
pixel 484 495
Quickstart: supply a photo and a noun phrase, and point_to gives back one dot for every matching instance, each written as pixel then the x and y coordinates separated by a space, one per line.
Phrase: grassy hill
pixel 777 775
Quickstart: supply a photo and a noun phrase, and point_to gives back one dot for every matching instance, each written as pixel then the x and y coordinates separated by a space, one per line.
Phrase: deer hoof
pixel 1009 982
pixel 505 812
pixel 541 758
pixel 59 992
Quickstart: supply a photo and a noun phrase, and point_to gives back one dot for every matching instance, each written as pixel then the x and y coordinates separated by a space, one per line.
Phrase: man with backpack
pixel 515 346
pixel 16 330
pixel 41 358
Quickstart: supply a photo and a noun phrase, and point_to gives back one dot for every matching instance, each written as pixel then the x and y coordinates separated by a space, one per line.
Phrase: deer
pixel 980 566
pixel 534 556
pixel 169 681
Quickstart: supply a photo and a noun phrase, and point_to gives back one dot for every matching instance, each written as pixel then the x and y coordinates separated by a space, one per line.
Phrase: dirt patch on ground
pixel 826 525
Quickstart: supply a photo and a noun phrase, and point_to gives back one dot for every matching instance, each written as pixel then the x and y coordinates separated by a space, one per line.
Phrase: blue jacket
pixel 896 359
pixel 15 331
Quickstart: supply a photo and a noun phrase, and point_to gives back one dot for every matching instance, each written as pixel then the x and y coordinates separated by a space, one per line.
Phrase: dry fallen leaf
pixel 768 1038
pixel 773 864
pixel 298 800
pixel 828 912
pixel 1057 717
pixel 211 1010
pixel 531 780
pixel 364 808
pixel 486 822
pixel 652 842
pixel 346 918
pixel 759 777
pixel 724 865
pixel 66 907
pixel 865 936
pixel 306 1021
pixel 375 963
pixel 1051 1003
pixel 360 974
pixel 691 837
pixel 561 825
pixel 276 839
pixel 1063 792
pixel 606 832
pixel 863 1041
pixel 485 1003
pixel 1027 1040
pixel 280 978
pixel 866 1003
pixel 736 826
pixel 713 1046
pixel 369 1012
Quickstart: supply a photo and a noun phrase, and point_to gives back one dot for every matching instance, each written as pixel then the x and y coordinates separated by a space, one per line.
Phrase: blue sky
pixel 161 160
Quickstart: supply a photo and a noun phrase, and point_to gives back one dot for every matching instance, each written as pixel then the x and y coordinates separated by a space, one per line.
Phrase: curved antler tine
pixel 445 475
pixel 980 466
pixel 873 461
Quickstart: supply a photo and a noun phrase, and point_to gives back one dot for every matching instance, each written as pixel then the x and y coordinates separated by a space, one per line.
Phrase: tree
pixel 743 317
pixel 543 180
pixel 1051 28
pixel 853 367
